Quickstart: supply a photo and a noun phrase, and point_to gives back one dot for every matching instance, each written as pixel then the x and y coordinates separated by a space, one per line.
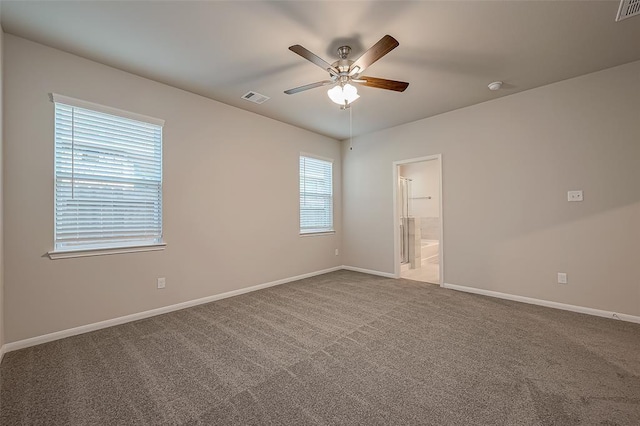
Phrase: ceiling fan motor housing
pixel 343 64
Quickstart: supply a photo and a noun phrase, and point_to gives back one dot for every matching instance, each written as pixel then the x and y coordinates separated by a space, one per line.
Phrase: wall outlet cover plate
pixel 574 196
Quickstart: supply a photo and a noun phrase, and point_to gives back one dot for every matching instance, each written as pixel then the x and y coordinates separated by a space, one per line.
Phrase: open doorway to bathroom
pixel 418 219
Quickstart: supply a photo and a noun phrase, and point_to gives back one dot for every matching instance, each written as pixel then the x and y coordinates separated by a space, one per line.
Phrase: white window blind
pixel 108 179
pixel 316 195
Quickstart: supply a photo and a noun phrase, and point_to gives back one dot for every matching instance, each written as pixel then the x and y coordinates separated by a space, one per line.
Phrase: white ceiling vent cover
pixel 627 9
pixel 255 97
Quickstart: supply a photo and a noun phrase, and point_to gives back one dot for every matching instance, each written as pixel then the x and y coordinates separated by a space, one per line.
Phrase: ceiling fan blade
pixel 309 86
pixel 385 45
pixel 382 83
pixel 312 57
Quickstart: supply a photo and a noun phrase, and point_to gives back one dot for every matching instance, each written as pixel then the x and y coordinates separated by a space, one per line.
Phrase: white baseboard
pixel 3 350
pixel 21 344
pixel 369 271
pixel 547 303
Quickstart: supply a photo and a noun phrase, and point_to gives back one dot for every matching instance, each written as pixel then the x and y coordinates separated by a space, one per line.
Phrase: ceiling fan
pixel 344 71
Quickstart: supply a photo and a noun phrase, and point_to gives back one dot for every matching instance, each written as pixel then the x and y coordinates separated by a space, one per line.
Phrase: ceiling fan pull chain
pixel 351 128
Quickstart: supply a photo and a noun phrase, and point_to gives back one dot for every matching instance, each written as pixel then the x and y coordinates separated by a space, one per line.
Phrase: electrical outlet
pixel 562 277
pixel 336 252
pixel 574 196
pixel 162 282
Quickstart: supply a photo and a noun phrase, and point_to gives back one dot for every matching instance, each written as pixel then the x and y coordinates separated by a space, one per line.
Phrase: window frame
pixel 317 231
pixel 94 248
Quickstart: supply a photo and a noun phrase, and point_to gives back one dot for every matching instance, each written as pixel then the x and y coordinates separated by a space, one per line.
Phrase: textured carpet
pixel 341 348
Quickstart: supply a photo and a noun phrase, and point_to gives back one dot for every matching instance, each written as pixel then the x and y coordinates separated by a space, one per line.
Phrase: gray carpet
pixel 341 348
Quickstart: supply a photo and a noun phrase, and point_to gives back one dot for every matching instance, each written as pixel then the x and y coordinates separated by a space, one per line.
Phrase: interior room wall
pixel 1 195
pixel 424 202
pixel 507 167
pixel 425 179
pixel 230 196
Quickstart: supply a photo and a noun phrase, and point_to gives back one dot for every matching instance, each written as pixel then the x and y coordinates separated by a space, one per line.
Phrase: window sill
pixel 317 233
pixel 67 254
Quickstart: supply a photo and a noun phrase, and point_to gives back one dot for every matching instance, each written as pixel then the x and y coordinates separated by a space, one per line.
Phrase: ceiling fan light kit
pixel 343 95
pixel 344 71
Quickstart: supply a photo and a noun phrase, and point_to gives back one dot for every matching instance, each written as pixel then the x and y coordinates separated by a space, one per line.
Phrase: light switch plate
pixel 574 196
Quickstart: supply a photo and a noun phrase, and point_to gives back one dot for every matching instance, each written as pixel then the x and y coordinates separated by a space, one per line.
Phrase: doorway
pixel 418 219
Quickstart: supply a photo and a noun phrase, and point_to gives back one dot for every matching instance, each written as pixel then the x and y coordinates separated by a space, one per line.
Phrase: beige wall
pixel 230 199
pixel 425 182
pixel 507 166
pixel 1 193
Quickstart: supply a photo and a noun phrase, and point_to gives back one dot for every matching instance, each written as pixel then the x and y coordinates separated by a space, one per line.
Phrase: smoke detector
pixel 627 9
pixel 496 85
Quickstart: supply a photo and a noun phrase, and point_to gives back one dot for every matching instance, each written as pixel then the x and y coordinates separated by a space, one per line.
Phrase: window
pixel 108 178
pixel 316 195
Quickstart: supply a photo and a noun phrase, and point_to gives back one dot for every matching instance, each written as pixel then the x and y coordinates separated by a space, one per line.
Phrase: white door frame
pixel 396 217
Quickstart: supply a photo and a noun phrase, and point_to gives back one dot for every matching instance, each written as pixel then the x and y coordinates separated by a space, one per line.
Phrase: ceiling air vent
pixel 627 9
pixel 255 97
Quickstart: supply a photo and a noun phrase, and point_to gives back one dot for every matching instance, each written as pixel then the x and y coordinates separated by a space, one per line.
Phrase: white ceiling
pixel 449 51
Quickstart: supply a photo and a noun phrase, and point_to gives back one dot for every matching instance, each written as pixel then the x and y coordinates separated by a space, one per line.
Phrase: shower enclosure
pixel 404 193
